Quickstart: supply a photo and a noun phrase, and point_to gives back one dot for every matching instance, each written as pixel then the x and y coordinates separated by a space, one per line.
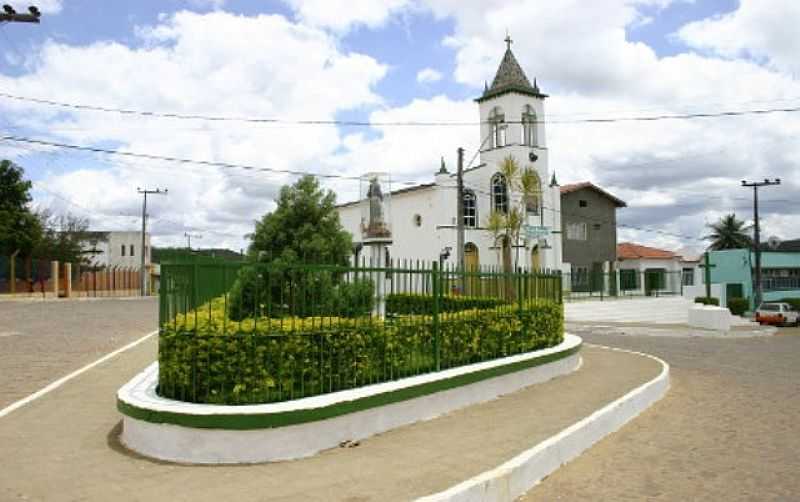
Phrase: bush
pixel 214 360
pixel 738 306
pixel 794 302
pixel 281 292
pixel 412 303
pixel 707 301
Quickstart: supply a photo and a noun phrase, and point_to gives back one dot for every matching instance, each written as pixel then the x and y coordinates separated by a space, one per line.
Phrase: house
pixel 115 249
pixel 733 274
pixel 645 270
pixel 423 219
pixel 589 233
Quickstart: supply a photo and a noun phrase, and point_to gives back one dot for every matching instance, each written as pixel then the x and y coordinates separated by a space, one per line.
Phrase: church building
pixel 423 218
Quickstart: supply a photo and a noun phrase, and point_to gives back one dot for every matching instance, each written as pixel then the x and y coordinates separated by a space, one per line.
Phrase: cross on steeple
pixel 508 41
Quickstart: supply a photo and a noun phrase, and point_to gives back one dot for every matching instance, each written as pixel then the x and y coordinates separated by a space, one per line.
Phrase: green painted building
pixel 735 269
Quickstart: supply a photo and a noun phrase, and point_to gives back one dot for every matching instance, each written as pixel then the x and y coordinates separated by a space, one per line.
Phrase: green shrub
pixel 281 292
pixel 413 303
pixel 738 306
pixel 207 358
pixel 794 302
pixel 707 301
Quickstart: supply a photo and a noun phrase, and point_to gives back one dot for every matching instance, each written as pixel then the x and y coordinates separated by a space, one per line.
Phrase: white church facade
pixel 423 218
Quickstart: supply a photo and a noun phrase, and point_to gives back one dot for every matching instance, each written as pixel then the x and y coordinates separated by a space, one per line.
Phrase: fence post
pixel 54 277
pixel 435 285
pixel 67 280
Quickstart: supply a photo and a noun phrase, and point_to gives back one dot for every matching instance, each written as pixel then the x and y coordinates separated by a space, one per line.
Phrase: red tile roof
pixel 574 187
pixel 631 251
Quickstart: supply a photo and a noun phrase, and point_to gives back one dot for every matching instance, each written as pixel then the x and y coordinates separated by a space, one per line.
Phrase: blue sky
pixel 671 55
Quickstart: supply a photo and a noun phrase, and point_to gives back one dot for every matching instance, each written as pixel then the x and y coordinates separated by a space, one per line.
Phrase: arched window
pixel 499 193
pixel 529 126
pixel 497 122
pixel 532 186
pixel 470 209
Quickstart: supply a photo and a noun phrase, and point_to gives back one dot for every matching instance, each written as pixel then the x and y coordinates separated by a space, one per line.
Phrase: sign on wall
pixel 534 232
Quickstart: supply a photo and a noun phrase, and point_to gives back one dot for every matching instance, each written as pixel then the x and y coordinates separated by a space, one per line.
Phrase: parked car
pixel 777 313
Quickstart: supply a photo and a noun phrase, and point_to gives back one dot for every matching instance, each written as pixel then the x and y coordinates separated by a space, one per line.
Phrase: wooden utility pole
pixel 758 293
pixel 143 271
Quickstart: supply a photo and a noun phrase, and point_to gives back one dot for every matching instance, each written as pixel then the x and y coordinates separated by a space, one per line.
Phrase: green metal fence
pixel 622 283
pixel 241 333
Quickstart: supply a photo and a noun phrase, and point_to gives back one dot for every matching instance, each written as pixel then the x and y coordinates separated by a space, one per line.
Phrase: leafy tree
pixel 303 228
pixel 64 237
pixel 729 233
pixel 20 229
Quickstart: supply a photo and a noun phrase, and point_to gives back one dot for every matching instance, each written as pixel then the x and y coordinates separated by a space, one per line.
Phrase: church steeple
pixel 510 78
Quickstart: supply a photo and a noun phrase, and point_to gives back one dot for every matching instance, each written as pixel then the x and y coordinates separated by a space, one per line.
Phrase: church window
pixel 532 186
pixel 499 193
pixel 470 209
pixel 497 123
pixel 528 126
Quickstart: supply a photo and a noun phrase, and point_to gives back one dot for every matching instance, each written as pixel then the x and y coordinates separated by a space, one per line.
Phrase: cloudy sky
pixel 393 61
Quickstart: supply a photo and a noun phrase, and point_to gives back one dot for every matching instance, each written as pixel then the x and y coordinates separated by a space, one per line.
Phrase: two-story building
pixel 589 235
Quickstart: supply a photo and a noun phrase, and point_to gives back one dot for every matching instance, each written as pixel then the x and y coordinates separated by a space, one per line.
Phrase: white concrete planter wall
pixel 214 434
pixel 710 317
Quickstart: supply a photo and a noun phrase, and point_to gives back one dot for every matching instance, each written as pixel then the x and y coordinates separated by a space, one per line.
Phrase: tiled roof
pixel 631 251
pixel 574 187
pixel 510 77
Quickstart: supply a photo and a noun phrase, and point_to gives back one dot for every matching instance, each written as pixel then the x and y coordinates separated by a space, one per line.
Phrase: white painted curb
pixel 512 479
pixel 180 443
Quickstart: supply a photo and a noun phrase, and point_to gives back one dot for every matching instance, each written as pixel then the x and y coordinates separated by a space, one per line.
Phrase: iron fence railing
pixel 623 283
pixel 239 333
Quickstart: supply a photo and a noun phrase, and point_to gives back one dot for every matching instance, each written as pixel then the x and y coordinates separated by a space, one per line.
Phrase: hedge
pixel 205 358
pixel 738 306
pixel 411 303
pixel 707 301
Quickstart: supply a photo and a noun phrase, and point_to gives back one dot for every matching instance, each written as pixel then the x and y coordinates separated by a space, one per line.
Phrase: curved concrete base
pixel 512 479
pixel 196 433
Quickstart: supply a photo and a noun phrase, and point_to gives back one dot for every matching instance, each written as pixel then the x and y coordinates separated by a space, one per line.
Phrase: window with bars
pixel 577 231
pixel 499 193
pixel 470 209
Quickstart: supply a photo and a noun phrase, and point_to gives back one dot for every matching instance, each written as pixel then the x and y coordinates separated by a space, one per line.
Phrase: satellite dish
pixel 773 242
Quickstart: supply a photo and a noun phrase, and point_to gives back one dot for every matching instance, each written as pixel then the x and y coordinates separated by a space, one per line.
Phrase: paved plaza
pixel 727 429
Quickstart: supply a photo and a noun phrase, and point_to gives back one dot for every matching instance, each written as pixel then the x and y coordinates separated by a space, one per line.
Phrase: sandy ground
pixel 41 341
pixel 728 430
pixel 65 445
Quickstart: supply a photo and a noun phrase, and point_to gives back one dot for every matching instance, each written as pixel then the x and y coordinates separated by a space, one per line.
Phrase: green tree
pixel 20 229
pixel 64 238
pixel 729 233
pixel 303 228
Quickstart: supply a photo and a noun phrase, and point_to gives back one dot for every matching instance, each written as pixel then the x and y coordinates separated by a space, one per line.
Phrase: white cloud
pixel 428 75
pixel 194 63
pixel 764 29
pixel 342 15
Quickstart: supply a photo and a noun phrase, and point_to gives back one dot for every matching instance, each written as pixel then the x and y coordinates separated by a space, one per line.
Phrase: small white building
pixel 423 218
pixel 645 270
pixel 117 249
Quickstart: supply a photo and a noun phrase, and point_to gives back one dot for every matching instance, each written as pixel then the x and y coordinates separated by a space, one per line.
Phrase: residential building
pixel 423 217
pixel 117 249
pixel 733 274
pixel 589 233
pixel 644 270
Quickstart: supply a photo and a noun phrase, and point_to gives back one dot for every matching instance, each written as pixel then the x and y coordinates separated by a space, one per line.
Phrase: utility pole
pixel 759 293
pixel 189 239
pixel 9 15
pixel 143 271
pixel 460 213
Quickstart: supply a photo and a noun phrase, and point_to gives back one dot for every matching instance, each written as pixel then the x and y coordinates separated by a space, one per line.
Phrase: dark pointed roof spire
pixel 510 78
pixel 554 181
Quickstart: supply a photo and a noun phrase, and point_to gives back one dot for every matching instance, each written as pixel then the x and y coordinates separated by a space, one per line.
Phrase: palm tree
pixel 505 227
pixel 729 233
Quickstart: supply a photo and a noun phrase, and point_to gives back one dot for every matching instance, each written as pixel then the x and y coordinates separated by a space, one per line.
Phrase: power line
pixel 357 123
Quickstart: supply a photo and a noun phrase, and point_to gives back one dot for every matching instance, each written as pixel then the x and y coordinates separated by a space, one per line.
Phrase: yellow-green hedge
pixel 206 358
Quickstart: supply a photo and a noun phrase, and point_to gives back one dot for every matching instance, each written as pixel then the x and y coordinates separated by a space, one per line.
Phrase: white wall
pixel 111 251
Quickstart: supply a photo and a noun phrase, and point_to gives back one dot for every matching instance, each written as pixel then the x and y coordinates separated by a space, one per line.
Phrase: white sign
pixel 536 232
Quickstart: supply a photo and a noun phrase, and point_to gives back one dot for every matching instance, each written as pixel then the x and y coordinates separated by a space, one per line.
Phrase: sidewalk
pixel 65 444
